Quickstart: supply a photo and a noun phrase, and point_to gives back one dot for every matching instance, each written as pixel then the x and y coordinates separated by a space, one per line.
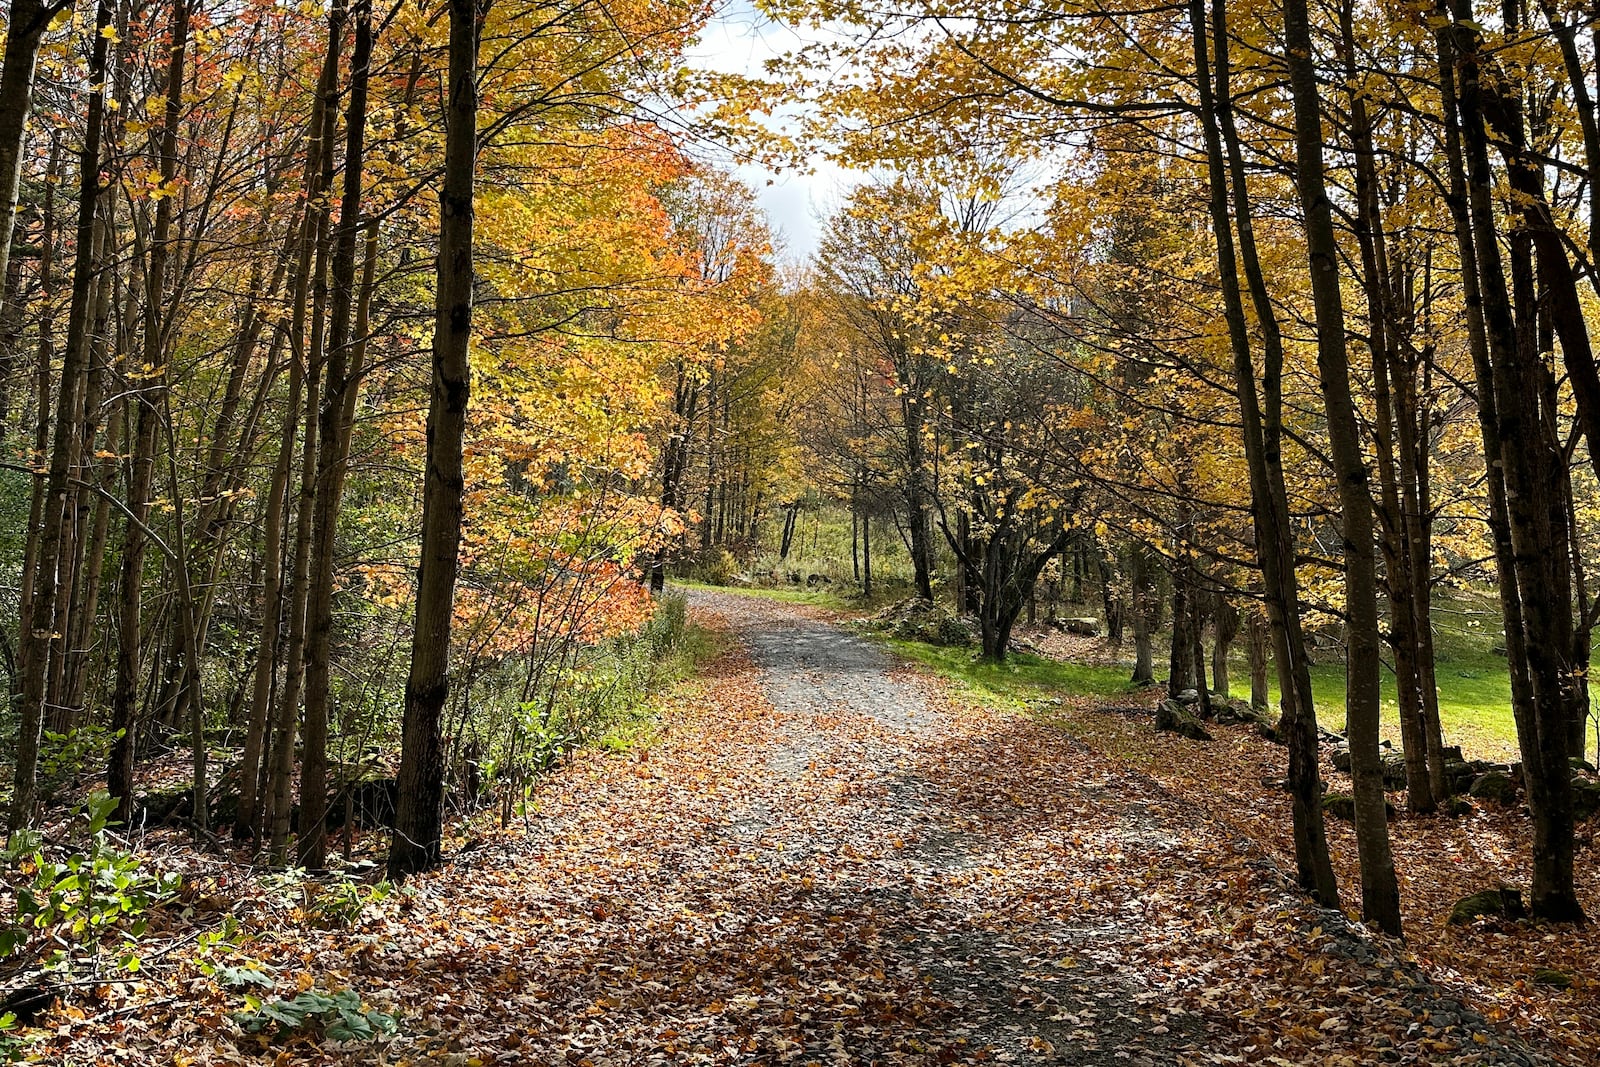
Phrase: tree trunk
pixel 1180 660
pixel 1144 670
pixel 1514 451
pixel 1258 640
pixel 1380 894
pixel 1225 619
pixel 26 23
pixel 1380 343
pixel 334 428
pixel 38 632
pixel 418 823
pixel 1261 418
pixel 917 496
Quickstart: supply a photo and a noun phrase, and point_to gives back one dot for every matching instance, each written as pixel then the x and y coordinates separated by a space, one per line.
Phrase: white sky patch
pixel 740 40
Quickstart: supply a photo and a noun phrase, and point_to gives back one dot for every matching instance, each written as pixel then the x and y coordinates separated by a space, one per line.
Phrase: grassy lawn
pixel 1020 679
pixel 841 600
pixel 1474 687
pixel 1474 704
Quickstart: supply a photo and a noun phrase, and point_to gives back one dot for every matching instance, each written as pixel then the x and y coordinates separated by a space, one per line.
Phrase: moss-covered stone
pixel 1172 717
pixel 1549 976
pixel 1394 770
pixel 1585 797
pixel 1343 806
pixel 1502 901
pixel 1340 806
pixel 1496 786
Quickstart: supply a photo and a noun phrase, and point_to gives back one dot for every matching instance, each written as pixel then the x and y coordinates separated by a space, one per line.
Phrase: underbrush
pixel 604 695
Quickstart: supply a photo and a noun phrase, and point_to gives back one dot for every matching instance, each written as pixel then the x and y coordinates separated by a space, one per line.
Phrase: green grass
pixel 847 599
pixel 636 726
pixel 1474 684
pixel 1021 679
pixel 1474 702
pixel 1474 687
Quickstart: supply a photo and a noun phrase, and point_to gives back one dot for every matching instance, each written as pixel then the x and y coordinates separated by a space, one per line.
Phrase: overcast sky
pixel 741 40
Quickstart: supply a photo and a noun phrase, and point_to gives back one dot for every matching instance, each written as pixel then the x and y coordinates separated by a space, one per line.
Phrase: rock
pixel 1023 645
pixel 1457 807
pixel 1341 758
pixel 1268 732
pixel 1394 770
pixel 1578 763
pixel 915 619
pixel 1585 797
pixel 1084 627
pixel 1173 717
pixel 1229 710
pixel 1502 901
pixel 1188 696
pixel 1549 976
pixel 158 809
pixel 1496 786
pixel 1342 806
pixel 1459 774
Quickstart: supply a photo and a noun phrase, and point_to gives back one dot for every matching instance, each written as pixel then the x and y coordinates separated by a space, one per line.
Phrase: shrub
pixel 74 903
pixel 716 566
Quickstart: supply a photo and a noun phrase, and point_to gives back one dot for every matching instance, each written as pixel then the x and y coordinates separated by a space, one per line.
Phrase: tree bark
pixel 1523 549
pixel 39 628
pixel 1261 418
pixel 1380 894
pixel 418 821
pixel 25 28
pixel 335 421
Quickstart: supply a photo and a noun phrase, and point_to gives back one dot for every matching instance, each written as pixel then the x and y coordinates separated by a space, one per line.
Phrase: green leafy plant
pixel 64 756
pixel 340 904
pixel 337 1016
pixel 80 901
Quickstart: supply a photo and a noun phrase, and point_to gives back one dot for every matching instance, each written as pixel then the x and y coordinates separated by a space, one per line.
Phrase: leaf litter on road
pixel 823 858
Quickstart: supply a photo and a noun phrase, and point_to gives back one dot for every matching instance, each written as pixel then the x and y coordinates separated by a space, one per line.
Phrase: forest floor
pixel 827 857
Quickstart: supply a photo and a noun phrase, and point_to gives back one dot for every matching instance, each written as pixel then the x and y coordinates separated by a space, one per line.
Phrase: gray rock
pixel 1173 717
pixel 1342 806
pixel 1496 786
pixel 1585 797
pixel 1394 769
